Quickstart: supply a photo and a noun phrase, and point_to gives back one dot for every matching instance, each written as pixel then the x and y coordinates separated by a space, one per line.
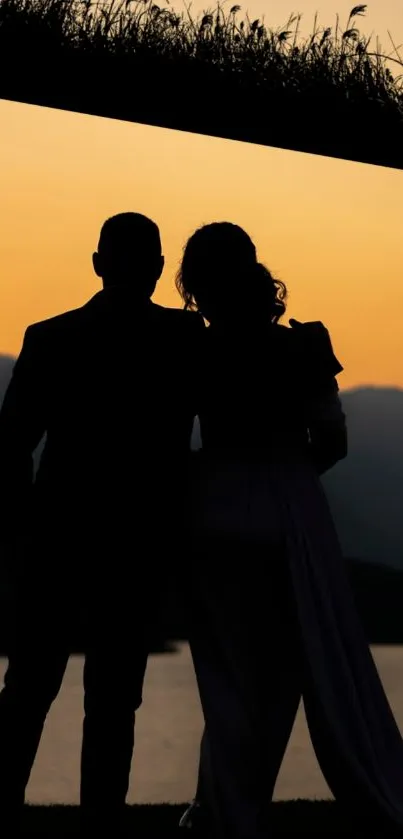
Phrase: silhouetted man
pixel 110 385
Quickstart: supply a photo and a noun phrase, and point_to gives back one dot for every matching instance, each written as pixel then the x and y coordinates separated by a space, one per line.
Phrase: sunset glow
pixel 330 229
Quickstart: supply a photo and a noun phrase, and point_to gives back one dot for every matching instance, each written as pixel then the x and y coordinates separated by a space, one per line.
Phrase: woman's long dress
pixel 257 486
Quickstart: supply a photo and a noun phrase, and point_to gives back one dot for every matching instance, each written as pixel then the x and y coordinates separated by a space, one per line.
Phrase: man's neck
pixel 127 291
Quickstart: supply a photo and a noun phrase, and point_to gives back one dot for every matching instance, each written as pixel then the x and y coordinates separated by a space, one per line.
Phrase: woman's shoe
pixel 191 816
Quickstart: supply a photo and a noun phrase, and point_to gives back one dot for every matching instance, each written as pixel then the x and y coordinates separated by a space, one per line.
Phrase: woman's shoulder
pixel 311 342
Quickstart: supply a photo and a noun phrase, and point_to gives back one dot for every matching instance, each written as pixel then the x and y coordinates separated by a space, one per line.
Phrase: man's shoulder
pixel 65 321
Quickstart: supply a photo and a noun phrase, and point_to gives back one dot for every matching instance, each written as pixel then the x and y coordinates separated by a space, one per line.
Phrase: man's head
pixel 129 253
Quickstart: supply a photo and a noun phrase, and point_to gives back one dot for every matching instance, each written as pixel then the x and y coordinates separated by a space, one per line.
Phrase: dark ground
pixel 321 817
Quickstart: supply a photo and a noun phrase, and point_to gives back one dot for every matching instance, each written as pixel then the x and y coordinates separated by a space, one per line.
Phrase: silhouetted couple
pixel 118 510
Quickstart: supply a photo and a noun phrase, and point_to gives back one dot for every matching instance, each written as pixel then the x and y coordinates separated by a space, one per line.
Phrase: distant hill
pixel 366 489
pixel 6 366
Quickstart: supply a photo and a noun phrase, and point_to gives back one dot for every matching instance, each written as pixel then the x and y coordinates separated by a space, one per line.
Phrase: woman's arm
pixel 325 417
pixel 327 428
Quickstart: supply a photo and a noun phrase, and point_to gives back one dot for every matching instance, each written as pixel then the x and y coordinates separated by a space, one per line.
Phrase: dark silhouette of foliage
pixel 331 93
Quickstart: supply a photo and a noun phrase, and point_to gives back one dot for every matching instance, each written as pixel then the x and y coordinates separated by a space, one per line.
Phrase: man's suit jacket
pixel 111 385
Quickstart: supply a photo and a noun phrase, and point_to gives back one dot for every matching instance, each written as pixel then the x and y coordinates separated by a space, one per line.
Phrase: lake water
pixel 168 731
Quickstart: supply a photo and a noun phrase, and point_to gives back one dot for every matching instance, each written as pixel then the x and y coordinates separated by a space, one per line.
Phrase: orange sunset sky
pixel 332 230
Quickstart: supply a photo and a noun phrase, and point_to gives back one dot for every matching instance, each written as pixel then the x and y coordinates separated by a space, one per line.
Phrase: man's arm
pixel 22 426
pixel 327 429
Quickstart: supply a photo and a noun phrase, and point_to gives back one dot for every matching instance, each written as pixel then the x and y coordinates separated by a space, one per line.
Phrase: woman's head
pixel 220 276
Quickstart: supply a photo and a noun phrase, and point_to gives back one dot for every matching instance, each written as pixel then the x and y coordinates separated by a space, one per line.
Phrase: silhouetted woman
pixel 272 614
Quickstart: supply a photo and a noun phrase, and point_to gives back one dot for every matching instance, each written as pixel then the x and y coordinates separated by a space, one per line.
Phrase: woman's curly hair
pixel 225 252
